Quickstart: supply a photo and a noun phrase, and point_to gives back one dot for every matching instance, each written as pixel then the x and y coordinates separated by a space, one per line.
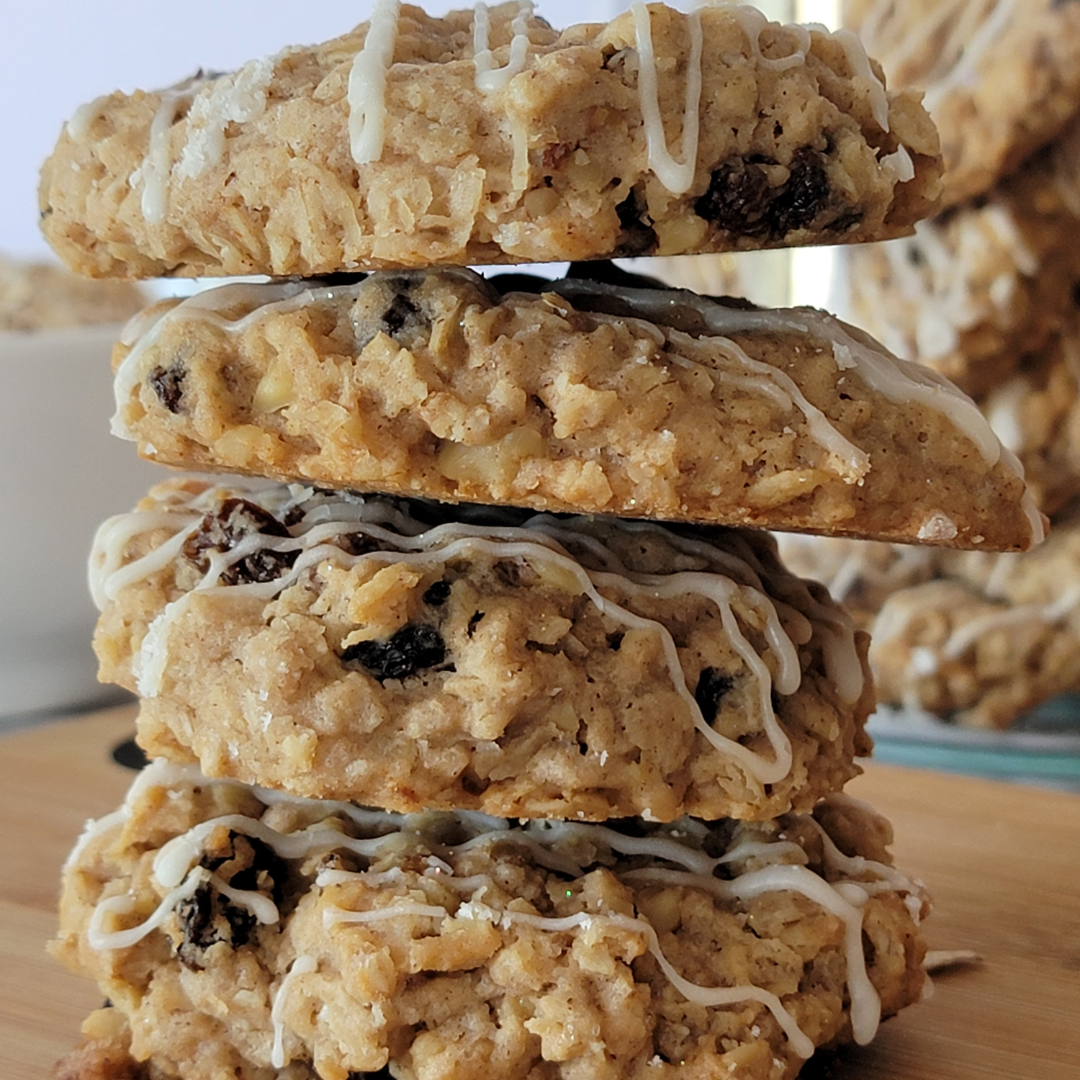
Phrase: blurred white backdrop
pixel 57 54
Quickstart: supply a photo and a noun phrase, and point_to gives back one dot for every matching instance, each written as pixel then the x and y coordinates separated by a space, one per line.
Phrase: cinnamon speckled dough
pixel 531 953
pixel 1002 77
pixel 571 396
pixel 978 640
pixel 254 174
pixel 39 296
pixel 563 667
pixel 984 284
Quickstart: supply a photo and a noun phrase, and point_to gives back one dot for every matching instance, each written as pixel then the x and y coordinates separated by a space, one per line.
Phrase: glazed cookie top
pixel 486 137
pixel 576 395
pixel 1002 77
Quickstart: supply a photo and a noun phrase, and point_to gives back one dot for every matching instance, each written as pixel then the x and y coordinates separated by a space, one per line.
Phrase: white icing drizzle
pixel 302 965
pixel 1054 611
pixel 753 22
pixel 539 540
pixel 676 176
pixel 367 83
pixel 155 172
pixel 675 852
pixel 859 63
pixel 972 47
pixel 82 119
pixel 489 77
pixel 897 380
pixel 236 98
pixel 145 329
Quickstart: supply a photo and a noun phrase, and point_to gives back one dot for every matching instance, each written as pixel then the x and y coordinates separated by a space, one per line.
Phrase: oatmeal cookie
pixel 986 283
pixel 989 639
pixel 244 933
pixel 576 395
pixel 369 649
pixel 976 640
pixel 1002 77
pixel 38 296
pixel 486 137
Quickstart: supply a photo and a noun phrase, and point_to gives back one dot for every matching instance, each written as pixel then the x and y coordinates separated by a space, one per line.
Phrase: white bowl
pixel 62 474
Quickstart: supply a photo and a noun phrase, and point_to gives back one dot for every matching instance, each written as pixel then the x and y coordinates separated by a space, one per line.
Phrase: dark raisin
pixel 402 314
pixel 802 196
pixel 638 236
pixel 224 529
pixel 355 543
pixel 737 198
pixel 245 862
pixel 437 594
pixel 741 200
pixel 413 648
pixel 474 622
pixel 614 641
pixel 712 686
pixel 1076 294
pixel 168 384
pixel 207 918
pixel 383 1074
pixel 130 755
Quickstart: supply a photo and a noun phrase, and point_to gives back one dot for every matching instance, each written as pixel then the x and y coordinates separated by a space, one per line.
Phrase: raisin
pixel 638 236
pixel 168 384
pixel 802 197
pixel 207 918
pixel 225 528
pixel 614 640
pixel 437 594
pixel 712 686
pixel 383 1074
pixel 402 314
pixel 474 622
pixel 413 648
pixel 741 200
pixel 246 862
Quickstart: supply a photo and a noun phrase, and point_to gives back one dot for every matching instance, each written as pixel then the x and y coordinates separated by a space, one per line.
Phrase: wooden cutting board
pixel 1003 862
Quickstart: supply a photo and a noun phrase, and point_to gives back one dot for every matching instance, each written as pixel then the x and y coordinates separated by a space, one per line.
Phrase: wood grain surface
pixel 1003 863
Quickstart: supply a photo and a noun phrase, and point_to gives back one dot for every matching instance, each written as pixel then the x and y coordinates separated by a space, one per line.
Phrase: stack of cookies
pixel 490 734
pixel 985 293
